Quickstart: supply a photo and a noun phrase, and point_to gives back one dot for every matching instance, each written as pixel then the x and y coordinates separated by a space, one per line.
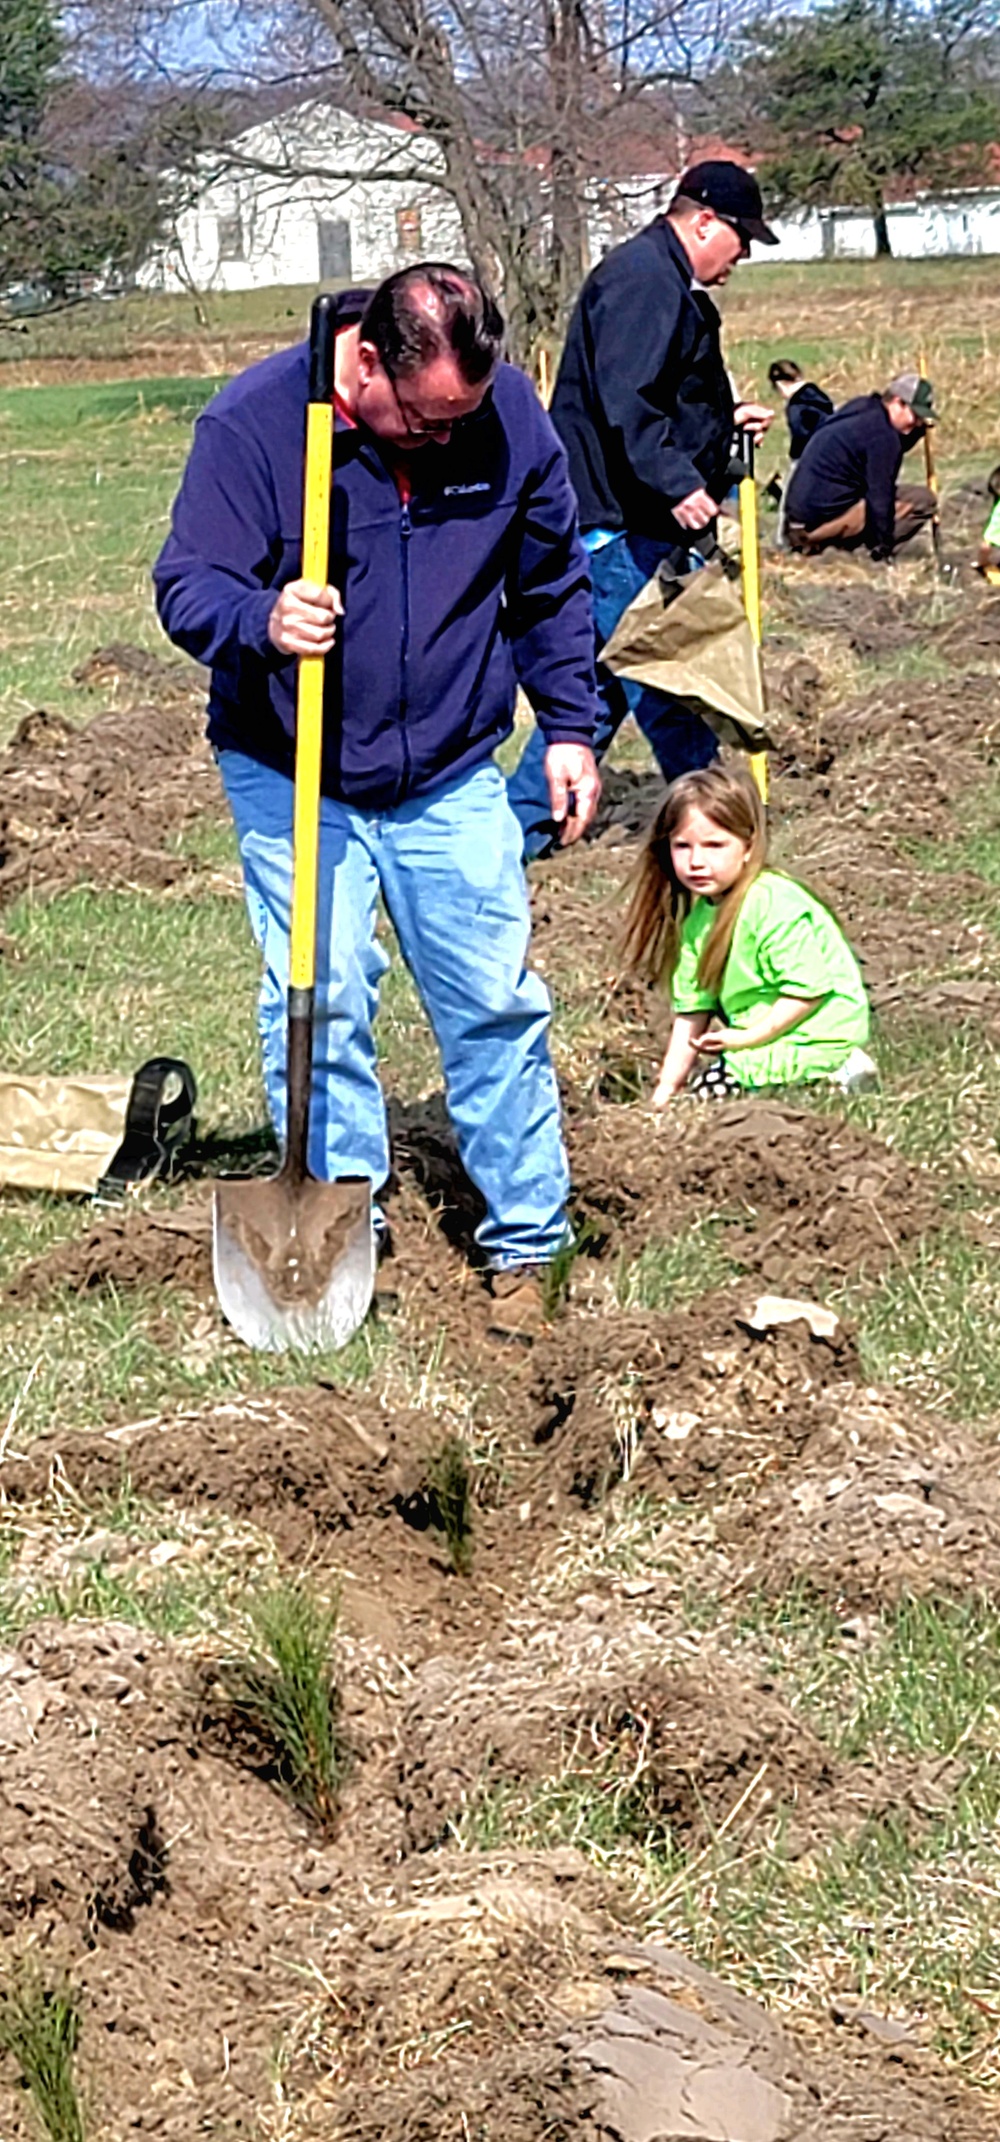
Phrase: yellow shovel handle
pixel 750 560
pixel 309 703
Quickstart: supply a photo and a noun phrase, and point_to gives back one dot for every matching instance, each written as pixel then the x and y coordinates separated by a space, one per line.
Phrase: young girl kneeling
pixel 743 944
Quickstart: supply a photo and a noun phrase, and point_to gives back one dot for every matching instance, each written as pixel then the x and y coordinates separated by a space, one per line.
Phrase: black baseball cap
pixel 733 193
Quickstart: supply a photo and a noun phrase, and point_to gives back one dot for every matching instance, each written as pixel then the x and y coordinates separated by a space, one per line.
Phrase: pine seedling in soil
pixel 450 1484
pixel 40 2029
pixel 286 1690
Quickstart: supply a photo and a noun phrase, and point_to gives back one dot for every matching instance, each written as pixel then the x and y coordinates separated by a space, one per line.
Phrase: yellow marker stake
pixel 309 705
pixel 750 557
pixel 930 472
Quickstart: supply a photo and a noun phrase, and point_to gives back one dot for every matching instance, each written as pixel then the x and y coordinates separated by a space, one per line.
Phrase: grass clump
pixel 40 2029
pixel 665 1274
pixel 450 1482
pixel 284 1688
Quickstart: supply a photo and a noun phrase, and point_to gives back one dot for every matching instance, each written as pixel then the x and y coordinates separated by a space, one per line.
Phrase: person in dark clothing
pixel 844 492
pixel 644 407
pixel 456 573
pixel 807 406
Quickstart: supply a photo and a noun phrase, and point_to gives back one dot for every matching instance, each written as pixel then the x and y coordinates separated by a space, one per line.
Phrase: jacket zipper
pixel 405 531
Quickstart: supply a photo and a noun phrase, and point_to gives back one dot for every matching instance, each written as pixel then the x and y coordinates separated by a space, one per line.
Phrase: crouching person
pixel 456 573
pixel 765 988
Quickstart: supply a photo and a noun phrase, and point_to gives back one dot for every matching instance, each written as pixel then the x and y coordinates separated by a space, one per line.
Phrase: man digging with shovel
pixel 456 572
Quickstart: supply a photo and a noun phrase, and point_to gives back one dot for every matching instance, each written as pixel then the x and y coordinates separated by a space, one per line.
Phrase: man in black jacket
pixel 644 407
pixel 844 491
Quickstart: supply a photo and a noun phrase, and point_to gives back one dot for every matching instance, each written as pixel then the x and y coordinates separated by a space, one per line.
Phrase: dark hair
pixel 783 368
pixel 993 482
pixel 434 310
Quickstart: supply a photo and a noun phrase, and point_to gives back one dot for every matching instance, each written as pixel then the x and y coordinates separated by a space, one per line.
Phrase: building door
pixel 334 242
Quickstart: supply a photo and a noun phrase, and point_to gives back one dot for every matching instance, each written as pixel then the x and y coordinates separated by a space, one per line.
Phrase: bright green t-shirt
pixel 786 943
pixel 991 532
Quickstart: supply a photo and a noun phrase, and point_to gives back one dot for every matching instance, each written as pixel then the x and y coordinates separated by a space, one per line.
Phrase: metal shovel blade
pixel 294 1261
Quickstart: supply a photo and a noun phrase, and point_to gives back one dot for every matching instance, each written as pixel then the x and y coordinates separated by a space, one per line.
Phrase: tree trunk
pixel 883 247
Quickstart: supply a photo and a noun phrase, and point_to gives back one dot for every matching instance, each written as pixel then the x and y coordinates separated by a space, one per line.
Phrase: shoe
pixel 517 1312
pixel 857 1074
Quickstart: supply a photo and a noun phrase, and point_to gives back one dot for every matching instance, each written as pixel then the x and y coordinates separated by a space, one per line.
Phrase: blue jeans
pixel 679 738
pixel 448 865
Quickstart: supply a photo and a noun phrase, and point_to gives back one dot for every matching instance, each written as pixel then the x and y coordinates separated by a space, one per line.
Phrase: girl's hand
pixel 712 1044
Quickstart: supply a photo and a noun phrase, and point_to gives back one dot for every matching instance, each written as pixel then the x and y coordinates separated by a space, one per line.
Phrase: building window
pixel 408 236
pixel 231 245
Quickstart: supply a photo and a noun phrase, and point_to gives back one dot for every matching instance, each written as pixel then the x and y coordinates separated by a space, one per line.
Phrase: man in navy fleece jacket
pixel 843 492
pixel 456 574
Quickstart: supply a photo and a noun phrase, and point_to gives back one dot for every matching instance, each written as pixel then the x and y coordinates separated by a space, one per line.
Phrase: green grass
pixel 40 2030
pixel 938 1096
pixel 931 1326
pixel 665 1274
pixel 88 476
pixel 129 975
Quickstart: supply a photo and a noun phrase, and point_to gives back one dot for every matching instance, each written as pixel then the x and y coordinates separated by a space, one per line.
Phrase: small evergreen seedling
pixel 450 1483
pixel 40 2029
pixel 286 1689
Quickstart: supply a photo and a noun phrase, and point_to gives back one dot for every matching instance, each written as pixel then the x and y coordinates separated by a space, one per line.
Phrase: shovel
pixel 294 1258
pixel 750 557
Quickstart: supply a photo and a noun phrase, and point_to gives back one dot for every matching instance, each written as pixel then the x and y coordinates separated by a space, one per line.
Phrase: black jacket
pixel 807 411
pixel 857 454
pixel 642 402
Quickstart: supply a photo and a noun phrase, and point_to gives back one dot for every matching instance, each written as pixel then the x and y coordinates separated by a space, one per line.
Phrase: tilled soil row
pixel 205 1921
pixel 415 1989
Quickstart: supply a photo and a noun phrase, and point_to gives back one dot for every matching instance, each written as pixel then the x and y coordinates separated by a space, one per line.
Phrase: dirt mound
pixel 686 1404
pixel 806 1198
pixel 299 1464
pixel 672 1748
pixel 150 1865
pixel 211 1936
pixel 879 1507
pixel 134 1247
pixel 104 803
pixel 334 1479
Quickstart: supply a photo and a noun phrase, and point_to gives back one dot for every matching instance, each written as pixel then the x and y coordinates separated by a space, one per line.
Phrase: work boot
pixel 517 1309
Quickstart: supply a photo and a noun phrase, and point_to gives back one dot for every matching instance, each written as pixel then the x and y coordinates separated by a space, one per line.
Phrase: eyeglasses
pixel 421 427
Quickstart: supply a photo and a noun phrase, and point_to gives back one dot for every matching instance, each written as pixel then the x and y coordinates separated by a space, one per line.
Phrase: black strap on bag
pixel 159 1122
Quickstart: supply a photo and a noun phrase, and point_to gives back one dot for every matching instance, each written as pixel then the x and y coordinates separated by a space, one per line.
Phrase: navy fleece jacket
pixel 856 454
pixel 478 583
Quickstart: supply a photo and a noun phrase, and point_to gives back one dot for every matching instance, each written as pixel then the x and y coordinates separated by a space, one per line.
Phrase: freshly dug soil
pixel 103 803
pixel 133 1247
pixel 804 1197
pixel 879 1506
pixel 689 1404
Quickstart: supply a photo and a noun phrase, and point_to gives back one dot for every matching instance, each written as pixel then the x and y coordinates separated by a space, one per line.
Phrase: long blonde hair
pixel 660 905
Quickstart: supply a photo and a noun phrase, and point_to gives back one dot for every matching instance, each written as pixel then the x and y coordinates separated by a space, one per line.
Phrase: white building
pixel 366 199
pixel 964 221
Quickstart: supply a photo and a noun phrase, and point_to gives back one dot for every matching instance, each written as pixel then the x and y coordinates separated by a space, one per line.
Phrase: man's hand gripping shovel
pixel 294 1258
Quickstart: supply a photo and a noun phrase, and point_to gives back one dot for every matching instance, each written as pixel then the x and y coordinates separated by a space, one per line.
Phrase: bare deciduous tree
pixel 526 103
